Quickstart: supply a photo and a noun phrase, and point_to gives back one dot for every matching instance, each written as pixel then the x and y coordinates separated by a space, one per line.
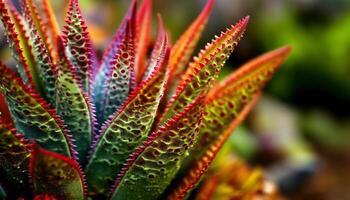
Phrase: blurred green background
pixel 300 131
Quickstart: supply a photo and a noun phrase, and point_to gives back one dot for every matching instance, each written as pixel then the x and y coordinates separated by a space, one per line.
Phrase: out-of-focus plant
pixel 74 126
pixel 233 179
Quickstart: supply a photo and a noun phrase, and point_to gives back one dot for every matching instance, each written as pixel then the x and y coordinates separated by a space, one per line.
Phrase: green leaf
pixel 183 185
pixel 79 46
pixel 230 101
pixel 37 37
pixel 21 49
pixel 56 175
pixel 152 167
pixel 14 158
pixel 121 79
pixel 48 20
pixel 184 46
pixel 203 72
pixel 32 115
pixel 159 48
pixel 74 107
pixel 103 73
pixel 125 131
pixel 228 98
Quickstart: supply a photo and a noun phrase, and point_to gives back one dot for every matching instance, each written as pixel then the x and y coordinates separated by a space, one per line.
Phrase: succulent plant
pixel 128 125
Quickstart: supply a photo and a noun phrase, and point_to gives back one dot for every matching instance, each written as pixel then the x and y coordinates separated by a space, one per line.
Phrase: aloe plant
pixel 124 126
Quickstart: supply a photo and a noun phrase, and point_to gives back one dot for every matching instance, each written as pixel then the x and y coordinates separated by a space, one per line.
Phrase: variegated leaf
pixel 32 115
pixel 18 42
pixel 143 37
pixel 120 79
pixel 228 98
pixel 125 131
pixel 192 176
pixel 56 175
pixel 49 21
pixel 79 46
pixel 151 168
pixel 74 107
pixel 159 49
pixel 102 77
pixel 203 72
pixel 37 37
pixel 183 48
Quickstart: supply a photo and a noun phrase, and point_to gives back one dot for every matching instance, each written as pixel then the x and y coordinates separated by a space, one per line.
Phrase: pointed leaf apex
pixel 132 10
pixel 242 24
pixel 208 7
pixel 284 50
pixel 160 22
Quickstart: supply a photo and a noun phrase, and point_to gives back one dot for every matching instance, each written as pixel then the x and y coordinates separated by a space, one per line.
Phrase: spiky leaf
pixel 193 175
pixel 79 46
pixel 56 175
pixel 32 115
pixel 154 164
pixel 125 131
pixel 120 79
pixel 159 49
pixel 101 77
pixel 21 49
pixel 50 26
pixel 205 69
pixel 228 98
pixel 38 37
pixel 183 48
pixel 74 107
pixel 143 37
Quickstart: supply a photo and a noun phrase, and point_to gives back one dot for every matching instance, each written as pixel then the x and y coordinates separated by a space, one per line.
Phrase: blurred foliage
pixel 317 72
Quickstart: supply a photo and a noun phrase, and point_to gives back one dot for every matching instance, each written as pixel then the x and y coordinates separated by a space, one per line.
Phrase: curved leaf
pixel 159 49
pixel 143 37
pixel 78 45
pixel 74 107
pixel 120 79
pixel 49 21
pixel 56 175
pixel 183 48
pixel 102 76
pixel 125 131
pixel 204 71
pixel 152 167
pixel 200 166
pixel 228 98
pixel 32 115
pixel 37 37
pixel 18 42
